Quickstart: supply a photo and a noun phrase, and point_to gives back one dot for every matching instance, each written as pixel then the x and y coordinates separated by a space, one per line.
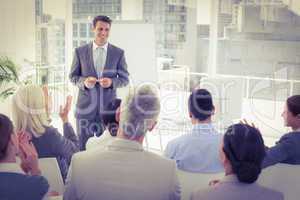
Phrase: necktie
pixel 99 61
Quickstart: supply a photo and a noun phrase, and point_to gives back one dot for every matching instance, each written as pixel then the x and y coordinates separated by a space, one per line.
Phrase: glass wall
pixel 246 52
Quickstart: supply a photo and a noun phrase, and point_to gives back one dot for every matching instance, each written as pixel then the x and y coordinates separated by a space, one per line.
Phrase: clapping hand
pixel 213 183
pixel 105 82
pixel 90 82
pixel 244 121
pixel 64 111
pixel 28 154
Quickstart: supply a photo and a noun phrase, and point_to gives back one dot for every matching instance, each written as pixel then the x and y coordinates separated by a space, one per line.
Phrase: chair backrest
pixel 192 181
pixel 50 170
pixel 283 178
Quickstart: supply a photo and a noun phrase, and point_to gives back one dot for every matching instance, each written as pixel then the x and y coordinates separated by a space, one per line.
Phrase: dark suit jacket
pixel 53 144
pixel 286 150
pixel 91 102
pixel 14 186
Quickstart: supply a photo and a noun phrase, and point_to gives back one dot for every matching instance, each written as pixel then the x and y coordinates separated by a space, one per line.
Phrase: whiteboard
pixel 137 39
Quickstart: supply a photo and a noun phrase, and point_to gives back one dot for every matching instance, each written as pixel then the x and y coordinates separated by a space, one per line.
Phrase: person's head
pixel 30 109
pixel 101 28
pixel 242 152
pixel 139 113
pixel 8 140
pixel 291 112
pixel 201 105
pixel 110 117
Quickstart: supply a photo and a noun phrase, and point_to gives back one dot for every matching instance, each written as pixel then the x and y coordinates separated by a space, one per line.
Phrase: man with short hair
pixel 98 69
pixel 123 169
pixel 197 151
pixel 111 122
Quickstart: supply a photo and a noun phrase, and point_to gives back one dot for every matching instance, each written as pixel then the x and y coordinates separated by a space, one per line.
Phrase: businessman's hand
pixel 105 82
pixel 90 82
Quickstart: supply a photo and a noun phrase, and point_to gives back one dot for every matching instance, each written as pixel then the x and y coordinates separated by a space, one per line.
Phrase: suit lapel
pixel 91 59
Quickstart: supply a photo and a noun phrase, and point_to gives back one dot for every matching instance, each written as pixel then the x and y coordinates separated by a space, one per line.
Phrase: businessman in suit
pixel 123 169
pixel 98 69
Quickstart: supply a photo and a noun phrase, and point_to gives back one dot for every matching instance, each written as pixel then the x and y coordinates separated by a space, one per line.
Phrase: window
pixel 75 44
pixel 83 30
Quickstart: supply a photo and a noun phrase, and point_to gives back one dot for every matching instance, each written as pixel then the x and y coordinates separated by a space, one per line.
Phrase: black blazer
pixel 91 102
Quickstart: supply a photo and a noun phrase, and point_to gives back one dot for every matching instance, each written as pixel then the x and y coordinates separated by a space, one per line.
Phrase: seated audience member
pixel 197 151
pixel 31 105
pixel 123 169
pixel 111 122
pixel 287 149
pixel 19 181
pixel 241 153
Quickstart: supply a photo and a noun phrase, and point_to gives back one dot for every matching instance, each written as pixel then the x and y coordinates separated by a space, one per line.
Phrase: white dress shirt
pixel 95 141
pixel 95 54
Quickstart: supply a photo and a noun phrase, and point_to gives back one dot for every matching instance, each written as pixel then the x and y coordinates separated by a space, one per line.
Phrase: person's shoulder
pixel 83 47
pixel 115 48
pixel 37 182
pixel 290 137
pixel 84 156
pixel 159 160
pixel 179 140
pixel 52 132
pixel 205 193
pixel 271 194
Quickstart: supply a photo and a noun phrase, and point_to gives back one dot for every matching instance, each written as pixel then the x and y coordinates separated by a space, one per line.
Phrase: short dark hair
pixel 201 104
pixel 109 116
pixel 102 18
pixel 244 148
pixel 6 129
pixel 293 104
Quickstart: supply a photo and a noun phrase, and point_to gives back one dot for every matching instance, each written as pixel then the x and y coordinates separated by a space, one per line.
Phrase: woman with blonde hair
pixel 30 107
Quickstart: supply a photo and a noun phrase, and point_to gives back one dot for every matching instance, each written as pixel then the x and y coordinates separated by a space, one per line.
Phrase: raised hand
pixel 244 121
pixel 64 111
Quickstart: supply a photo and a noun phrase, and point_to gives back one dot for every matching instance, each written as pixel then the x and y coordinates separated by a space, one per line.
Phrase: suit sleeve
pixel 122 74
pixel 39 186
pixel 75 73
pixel 280 152
pixel 66 145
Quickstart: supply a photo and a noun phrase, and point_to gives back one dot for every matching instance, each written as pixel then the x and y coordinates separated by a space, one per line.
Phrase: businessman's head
pixel 201 105
pixel 101 28
pixel 139 113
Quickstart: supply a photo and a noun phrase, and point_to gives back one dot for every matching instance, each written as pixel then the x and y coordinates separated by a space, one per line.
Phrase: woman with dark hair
pixel 287 149
pixel 241 154
pixel 19 181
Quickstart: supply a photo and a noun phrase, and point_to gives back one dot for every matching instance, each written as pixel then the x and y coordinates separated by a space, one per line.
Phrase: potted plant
pixel 8 77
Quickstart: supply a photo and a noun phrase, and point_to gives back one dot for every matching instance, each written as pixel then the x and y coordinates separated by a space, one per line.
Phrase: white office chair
pixel 283 178
pixel 50 170
pixel 192 181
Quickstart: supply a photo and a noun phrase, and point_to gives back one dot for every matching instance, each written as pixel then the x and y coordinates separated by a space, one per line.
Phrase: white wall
pixel 203 11
pixel 17 33
pixel 132 9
